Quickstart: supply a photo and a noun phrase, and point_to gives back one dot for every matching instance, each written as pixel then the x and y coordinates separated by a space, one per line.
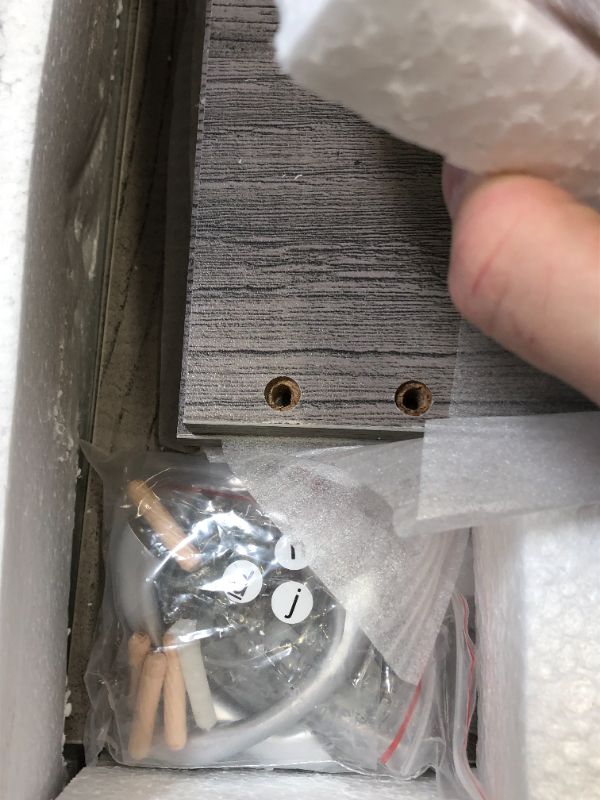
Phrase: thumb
pixel 525 269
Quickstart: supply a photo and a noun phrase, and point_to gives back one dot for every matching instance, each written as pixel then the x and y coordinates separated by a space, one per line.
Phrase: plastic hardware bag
pixel 219 647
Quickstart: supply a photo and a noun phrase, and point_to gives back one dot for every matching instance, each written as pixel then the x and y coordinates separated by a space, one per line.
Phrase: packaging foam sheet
pixel 339 503
pixel 493 85
pixel 478 469
pixel 538 596
pixel 120 783
pixel 357 509
pixel 464 472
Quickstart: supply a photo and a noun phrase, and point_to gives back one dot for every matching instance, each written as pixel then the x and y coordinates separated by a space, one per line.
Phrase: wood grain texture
pixel 319 251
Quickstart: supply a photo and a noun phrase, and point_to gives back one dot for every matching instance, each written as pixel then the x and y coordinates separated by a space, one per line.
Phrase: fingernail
pixel 454 184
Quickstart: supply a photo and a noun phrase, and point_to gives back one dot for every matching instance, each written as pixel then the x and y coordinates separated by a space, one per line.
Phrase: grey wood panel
pixel 319 251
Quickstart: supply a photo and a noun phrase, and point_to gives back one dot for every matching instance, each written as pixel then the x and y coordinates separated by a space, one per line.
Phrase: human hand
pixel 525 269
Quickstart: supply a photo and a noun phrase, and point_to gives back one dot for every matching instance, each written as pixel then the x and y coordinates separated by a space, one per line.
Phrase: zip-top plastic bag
pixel 218 646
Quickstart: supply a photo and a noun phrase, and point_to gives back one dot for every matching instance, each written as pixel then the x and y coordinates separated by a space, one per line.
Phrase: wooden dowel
pixel 174 698
pixel 146 705
pixel 138 648
pixel 170 533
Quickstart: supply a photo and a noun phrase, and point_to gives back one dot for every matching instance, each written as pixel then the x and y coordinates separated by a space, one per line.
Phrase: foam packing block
pixel 493 85
pixel 538 593
pixel 122 783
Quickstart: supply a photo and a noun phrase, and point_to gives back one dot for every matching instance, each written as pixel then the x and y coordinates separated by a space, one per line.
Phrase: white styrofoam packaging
pixel 122 783
pixel 56 62
pixel 538 595
pixel 494 86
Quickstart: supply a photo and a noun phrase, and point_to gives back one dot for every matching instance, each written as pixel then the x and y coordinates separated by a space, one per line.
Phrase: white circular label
pixel 292 602
pixel 290 555
pixel 242 582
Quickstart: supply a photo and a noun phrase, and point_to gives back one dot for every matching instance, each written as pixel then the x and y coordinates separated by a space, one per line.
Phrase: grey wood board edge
pixel 186 120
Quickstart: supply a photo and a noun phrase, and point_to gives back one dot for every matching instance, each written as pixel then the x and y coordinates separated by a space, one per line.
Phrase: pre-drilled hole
pixel 414 398
pixel 282 394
